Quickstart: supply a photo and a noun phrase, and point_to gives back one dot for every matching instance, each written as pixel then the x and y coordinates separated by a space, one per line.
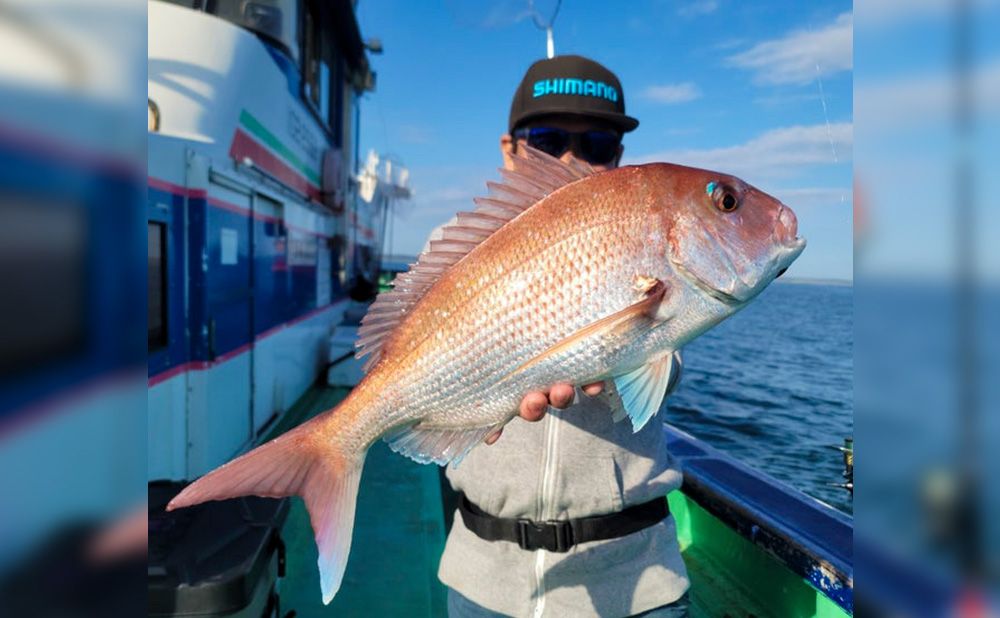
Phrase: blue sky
pixel 762 90
pixel 907 150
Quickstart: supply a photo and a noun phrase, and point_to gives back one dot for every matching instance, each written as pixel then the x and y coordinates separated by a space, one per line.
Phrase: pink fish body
pixel 562 275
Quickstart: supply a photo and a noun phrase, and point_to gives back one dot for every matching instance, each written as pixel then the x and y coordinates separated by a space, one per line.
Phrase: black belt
pixel 561 535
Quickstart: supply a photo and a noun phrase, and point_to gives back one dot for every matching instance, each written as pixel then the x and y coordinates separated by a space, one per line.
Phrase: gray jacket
pixel 575 463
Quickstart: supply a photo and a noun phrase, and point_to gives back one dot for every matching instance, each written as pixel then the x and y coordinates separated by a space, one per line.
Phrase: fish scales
pixel 526 291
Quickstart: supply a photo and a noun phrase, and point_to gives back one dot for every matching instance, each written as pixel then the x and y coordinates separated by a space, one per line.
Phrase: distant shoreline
pixel 815 281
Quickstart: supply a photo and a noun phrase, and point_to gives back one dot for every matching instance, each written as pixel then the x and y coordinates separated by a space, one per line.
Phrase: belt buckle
pixel 554 536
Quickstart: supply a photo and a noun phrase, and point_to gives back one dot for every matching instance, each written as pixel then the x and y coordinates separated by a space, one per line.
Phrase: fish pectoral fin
pixel 621 326
pixel 642 390
pixel 440 445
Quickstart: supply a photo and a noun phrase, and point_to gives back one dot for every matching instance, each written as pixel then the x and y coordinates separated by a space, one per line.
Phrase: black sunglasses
pixel 598 147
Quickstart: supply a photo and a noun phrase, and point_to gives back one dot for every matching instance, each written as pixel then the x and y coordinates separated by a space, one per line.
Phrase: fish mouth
pixel 792 249
pixel 719 295
pixel 787 252
pixel 796 244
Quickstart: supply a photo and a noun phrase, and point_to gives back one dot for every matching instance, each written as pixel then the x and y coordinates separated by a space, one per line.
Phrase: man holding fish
pixel 577 469
pixel 572 271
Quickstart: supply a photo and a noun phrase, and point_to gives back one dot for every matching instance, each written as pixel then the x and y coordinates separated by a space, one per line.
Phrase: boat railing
pixel 811 538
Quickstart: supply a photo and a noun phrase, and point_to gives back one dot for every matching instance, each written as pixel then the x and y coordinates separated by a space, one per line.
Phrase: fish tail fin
pixel 303 462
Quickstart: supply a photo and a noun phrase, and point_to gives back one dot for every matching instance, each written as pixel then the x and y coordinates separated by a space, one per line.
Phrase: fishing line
pixel 550 46
pixel 826 115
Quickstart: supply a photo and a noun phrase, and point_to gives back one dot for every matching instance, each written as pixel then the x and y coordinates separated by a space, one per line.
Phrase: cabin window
pixel 277 20
pixel 322 71
pixel 336 100
pixel 324 92
pixel 312 62
pixel 43 275
pixel 156 271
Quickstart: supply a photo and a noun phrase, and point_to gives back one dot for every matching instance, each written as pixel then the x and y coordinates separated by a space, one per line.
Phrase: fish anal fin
pixel 440 445
pixel 623 325
pixel 642 390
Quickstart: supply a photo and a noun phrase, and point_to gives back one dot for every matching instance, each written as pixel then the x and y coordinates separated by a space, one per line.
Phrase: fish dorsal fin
pixel 533 176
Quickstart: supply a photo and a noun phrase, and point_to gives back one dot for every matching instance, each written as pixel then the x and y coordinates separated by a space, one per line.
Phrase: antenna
pixel 546 25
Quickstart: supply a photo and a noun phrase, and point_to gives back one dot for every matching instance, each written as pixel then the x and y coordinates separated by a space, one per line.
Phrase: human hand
pixel 534 404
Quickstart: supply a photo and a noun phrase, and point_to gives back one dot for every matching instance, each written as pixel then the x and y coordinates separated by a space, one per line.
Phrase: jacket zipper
pixel 545 500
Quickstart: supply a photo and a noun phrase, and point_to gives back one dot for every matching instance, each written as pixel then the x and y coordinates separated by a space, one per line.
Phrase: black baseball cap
pixel 570 85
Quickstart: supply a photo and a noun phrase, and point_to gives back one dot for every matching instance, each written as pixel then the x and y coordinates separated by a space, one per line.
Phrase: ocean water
pixel 927 425
pixel 773 386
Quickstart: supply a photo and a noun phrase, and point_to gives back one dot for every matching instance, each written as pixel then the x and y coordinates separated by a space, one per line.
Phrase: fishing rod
pixel 847 451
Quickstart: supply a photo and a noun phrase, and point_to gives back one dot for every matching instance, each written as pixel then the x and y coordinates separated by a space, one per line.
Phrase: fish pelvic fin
pixel 642 390
pixel 618 329
pixel 534 175
pixel 303 462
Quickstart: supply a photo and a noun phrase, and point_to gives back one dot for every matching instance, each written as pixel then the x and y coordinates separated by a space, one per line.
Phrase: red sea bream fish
pixel 561 275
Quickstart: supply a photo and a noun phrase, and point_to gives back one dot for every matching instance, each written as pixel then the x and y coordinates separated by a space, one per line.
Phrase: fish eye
pixel 724 197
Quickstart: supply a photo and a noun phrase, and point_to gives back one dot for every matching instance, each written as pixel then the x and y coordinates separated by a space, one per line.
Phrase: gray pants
pixel 461 607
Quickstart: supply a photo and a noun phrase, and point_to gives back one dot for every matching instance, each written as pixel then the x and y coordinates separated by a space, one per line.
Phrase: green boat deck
pixel 399 535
